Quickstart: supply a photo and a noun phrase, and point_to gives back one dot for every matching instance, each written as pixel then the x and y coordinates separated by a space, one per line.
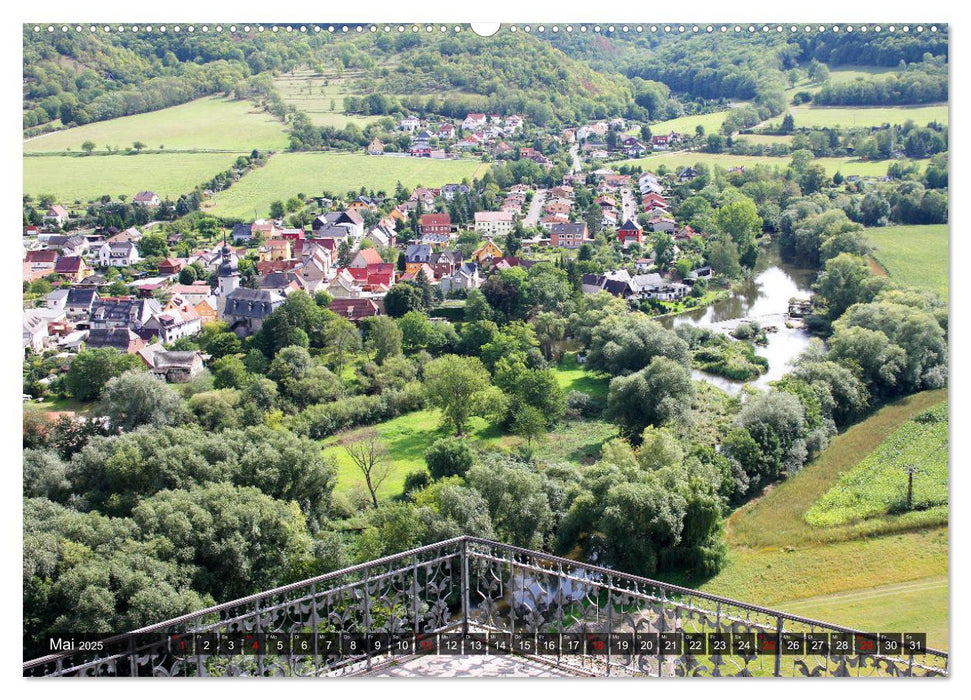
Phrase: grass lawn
pixel 210 123
pixel 915 606
pixel 777 559
pixel 878 484
pixel 572 377
pixel 766 139
pixel 58 404
pixel 407 437
pixel 712 123
pixel 913 255
pixel 286 174
pixel 809 115
pixel 83 178
pixel 846 166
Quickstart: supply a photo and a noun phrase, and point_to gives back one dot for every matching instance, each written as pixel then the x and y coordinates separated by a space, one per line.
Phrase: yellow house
pixel 488 251
pixel 275 249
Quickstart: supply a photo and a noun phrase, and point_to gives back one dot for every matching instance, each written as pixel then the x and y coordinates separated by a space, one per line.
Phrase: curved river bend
pixel 763 299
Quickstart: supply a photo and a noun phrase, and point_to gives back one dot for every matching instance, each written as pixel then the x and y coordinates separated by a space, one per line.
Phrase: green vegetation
pixel 207 124
pixel 320 96
pixel 815 116
pixel 83 178
pixel 711 122
pixel 776 557
pixel 736 360
pixel 896 607
pixel 913 255
pixel 846 166
pixel 286 174
pixel 572 377
pixel 878 485
pixel 777 519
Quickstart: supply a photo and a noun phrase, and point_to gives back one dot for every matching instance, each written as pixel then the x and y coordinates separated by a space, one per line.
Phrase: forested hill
pixel 81 77
pixel 506 73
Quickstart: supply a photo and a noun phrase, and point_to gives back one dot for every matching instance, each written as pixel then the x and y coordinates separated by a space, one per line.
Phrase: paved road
pixel 629 208
pixel 535 209
pixel 575 155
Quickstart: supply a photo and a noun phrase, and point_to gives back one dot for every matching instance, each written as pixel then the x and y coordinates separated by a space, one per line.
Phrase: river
pixel 764 299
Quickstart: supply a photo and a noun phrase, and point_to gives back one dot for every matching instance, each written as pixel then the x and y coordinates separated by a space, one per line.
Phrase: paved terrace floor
pixel 468 667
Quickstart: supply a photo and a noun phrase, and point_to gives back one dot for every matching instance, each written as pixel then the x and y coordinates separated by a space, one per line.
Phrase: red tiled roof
pixel 436 220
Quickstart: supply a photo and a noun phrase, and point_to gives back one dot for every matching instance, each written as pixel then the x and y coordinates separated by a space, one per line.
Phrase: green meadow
pixel 808 115
pixel 913 255
pixel 207 124
pixel 846 166
pixel 287 174
pixel 878 485
pixel 83 178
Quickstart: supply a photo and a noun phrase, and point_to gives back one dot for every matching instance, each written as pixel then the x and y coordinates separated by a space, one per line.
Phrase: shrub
pixel 449 456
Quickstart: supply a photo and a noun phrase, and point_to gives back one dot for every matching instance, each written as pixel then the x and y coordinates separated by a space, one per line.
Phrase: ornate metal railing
pixel 471 586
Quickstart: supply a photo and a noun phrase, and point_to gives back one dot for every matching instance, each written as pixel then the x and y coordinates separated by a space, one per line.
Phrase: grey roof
pixel 418 252
pixel 81 297
pixel 127 311
pixel 117 338
pixel 568 228
pixel 242 232
pixel 252 303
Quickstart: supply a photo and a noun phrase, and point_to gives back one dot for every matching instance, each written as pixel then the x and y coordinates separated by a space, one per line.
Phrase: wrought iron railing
pixel 471 585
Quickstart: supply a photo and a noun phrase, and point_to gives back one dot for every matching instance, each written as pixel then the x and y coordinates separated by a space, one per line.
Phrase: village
pixel 106 292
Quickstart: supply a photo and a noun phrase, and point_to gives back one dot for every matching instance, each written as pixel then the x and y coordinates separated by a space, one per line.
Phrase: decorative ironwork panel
pixel 470 584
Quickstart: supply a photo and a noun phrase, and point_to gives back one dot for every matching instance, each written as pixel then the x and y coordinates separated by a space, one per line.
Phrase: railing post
pixel 661 628
pixel 367 615
pixel 465 586
pixel 260 652
pixel 610 620
pixel 778 646
pixel 315 621
pixel 414 592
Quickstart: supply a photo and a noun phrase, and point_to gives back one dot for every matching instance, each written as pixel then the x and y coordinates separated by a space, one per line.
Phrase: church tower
pixel 228 275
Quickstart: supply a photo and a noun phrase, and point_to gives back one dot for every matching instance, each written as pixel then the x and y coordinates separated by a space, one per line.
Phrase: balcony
pixel 473 607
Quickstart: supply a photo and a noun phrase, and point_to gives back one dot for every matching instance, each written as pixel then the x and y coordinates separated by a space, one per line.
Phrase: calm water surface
pixel 764 299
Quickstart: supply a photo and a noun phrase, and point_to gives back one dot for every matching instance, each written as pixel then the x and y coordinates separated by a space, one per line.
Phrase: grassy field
pixel 572 377
pixel 711 122
pixel 210 123
pixel 846 166
pixel 766 139
pixel 777 559
pixel 877 486
pixel 82 178
pixel 286 174
pixel 914 255
pixel 848 73
pixel 407 437
pixel 921 605
pixel 809 115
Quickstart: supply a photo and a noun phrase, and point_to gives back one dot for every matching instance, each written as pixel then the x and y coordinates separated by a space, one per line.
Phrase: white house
pixel 119 254
pixel 409 124
pixel 494 223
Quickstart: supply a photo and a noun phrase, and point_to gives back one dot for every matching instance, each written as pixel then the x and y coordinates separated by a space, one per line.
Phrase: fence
pixel 471 585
